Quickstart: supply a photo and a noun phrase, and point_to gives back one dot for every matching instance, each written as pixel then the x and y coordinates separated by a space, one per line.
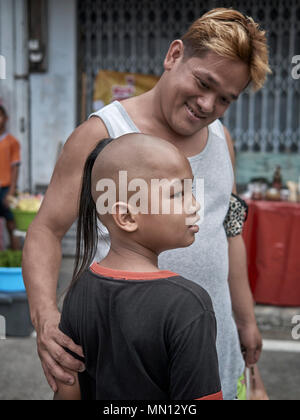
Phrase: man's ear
pixel 124 217
pixel 174 54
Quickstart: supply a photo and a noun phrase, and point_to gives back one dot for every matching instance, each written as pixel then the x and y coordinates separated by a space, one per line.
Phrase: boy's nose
pixel 195 206
pixel 198 206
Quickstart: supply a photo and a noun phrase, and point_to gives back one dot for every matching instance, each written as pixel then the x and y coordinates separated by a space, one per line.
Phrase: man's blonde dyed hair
pixel 230 34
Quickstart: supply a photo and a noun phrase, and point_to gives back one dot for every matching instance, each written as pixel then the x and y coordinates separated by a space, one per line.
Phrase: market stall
pixel 13 298
pixel 272 234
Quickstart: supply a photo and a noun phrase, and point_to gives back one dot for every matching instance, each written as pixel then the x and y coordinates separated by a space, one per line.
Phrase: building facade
pixel 86 36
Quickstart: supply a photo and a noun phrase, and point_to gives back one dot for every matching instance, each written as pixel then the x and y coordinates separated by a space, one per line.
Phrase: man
pixel 220 55
pixel 9 172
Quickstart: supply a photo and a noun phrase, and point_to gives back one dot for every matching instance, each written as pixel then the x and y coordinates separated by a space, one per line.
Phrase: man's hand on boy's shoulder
pixel 57 363
pixel 58 212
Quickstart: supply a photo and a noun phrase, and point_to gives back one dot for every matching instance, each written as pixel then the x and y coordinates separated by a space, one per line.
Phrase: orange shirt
pixel 9 155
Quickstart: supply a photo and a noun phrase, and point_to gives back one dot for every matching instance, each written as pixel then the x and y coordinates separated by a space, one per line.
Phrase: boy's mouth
pixel 194 222
pixel 194 228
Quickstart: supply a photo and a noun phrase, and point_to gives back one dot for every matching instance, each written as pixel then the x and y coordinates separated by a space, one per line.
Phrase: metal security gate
pixel 134 36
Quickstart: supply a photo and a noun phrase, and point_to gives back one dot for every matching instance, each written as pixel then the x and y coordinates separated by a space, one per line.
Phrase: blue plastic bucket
pixel 11 280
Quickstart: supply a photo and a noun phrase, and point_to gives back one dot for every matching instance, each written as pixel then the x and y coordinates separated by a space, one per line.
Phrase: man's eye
pixel 203 84
pixel 225 101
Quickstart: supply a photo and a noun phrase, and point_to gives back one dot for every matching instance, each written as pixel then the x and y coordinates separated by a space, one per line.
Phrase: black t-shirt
pixel 145 336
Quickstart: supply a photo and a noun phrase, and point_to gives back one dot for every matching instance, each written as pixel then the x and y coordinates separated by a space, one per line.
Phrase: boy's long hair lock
pixel 87 227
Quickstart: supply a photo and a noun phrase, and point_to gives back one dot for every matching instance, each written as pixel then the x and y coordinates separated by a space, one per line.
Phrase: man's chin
pixel 190 131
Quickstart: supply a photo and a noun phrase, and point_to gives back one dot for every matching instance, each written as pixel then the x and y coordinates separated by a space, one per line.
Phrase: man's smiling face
pixel 200 90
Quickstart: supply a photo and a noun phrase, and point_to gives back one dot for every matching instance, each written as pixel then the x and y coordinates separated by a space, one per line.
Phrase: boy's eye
pixel 178 194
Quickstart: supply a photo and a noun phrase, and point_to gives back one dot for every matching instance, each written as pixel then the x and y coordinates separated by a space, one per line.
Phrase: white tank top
pixel 206 261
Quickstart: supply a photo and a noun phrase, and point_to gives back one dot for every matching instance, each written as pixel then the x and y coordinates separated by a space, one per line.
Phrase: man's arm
pixel 241 296
pixel 42 251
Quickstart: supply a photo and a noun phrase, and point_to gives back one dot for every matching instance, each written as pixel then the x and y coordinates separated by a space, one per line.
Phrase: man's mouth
pixel 196 115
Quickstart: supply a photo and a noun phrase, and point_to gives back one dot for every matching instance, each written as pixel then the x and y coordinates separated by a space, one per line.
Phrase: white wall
pixel 53 94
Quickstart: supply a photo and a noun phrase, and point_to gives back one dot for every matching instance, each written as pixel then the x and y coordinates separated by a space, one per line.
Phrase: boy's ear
pixel 124 217
pixel 174 53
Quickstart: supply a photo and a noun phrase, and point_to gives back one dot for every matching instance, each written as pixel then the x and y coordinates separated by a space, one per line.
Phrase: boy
pixel 146 333
pixel 9 172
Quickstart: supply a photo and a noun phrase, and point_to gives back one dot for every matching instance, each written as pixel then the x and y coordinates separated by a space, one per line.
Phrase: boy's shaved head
pixel 141 155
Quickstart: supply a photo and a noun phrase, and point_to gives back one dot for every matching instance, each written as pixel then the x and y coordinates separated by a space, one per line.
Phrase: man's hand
pixel 251 343
pixel 54 359
pixel 42 251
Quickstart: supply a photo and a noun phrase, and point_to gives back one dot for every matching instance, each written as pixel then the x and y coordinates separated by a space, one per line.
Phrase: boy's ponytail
pixel 87 228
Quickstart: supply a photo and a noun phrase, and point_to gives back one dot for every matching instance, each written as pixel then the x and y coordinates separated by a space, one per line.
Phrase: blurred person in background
pixel 9 172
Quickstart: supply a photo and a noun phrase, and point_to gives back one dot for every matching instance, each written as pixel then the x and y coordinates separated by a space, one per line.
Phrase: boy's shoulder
pixel 191 292
pixel 172 293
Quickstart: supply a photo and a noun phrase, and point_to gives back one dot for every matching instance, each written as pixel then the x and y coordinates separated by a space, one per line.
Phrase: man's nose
pixel 207 103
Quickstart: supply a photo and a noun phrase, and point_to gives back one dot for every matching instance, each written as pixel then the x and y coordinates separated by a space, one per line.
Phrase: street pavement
pixel 22 378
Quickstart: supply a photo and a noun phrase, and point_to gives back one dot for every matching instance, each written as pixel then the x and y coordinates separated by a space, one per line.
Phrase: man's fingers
pixel 49 377
pixel 54 372
pixel 57 363
pixel 251 357
pixel 257 354
pixel 65 341
pixel 65 360
pixel 53 354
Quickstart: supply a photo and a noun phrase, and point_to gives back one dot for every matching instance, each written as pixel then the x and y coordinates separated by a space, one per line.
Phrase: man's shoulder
pixel 85 137
pixel 93 126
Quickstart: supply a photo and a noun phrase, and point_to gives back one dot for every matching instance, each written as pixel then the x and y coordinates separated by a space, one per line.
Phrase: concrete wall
pixel 42 107
pixel 53 94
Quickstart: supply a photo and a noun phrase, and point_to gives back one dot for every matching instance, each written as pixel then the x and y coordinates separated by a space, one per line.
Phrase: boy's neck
pixel 131 258
pixel 2 131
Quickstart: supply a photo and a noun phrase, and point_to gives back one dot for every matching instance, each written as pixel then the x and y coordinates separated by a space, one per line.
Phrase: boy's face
pixel 175 224
pixel 147 200
pixel 3 120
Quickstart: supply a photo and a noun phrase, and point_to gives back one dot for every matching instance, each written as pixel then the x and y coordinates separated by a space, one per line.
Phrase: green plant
pixel 10 258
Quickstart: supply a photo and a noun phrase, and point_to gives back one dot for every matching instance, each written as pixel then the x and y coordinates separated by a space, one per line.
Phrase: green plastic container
pixel 23 219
